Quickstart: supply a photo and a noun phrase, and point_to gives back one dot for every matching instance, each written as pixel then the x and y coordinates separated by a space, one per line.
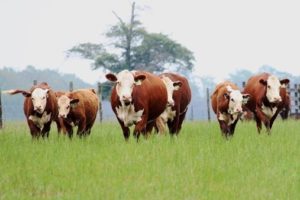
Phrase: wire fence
pixel 11 107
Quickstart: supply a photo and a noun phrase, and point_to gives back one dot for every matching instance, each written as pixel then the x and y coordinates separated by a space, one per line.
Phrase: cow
pixel 138 97
pixel 227 101
pixel 40 109
pixel 179 97
pixel 78 108
pixel 266 100
pixel 285 104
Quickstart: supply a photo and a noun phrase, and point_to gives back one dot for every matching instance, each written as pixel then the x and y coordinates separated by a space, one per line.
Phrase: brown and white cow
pixel 227 101
pixel 138 98
pixel 285 104
pixel 40 108
pixel 179 97
pixel 78 108
pixel 266 100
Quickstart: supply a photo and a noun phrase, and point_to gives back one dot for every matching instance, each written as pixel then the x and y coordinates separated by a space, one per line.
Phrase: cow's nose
pixel 239 110
pixel 170 103
pixel 277 99
pixel 62 115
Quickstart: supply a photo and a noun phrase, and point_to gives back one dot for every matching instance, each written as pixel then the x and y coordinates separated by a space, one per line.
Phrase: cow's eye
pixel 44 98
pixel 232 100
pixel 269 87
pixel 32 99
pixel 68 107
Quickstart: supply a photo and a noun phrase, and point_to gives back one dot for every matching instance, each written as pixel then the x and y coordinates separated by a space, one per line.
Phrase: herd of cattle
pixel 151 101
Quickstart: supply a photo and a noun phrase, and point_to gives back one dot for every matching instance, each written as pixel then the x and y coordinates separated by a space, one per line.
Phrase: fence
pixel 199 108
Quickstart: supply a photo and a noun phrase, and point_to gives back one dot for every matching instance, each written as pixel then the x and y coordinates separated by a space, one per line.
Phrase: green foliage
pixel 198 164
pixel 138 49
pixel 158 49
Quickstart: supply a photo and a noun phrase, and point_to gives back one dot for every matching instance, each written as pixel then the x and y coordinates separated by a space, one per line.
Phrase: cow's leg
pixel 69 129
pixel 224 128
pixel 181 118
pixel 125 129
pixel 60 126
pixel 261 118
pixel 273 118
pixel 232 127
pixel 34 130
pixel 46 129
pixel 140 127
pixel 149 127
pixel 81 127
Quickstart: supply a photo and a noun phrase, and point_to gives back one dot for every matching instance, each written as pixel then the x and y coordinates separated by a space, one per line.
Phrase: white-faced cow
pixel 266 100
pixel 179 97
pixel 78 108
pixel 137 98
pixel 40 108
pixel 227 101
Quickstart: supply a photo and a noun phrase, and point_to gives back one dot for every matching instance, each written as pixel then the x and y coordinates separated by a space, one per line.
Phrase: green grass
pixel 198 164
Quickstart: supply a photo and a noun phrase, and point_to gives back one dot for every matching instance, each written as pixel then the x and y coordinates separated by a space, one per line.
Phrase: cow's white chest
pixel 40 121
pixel 128 115
pixel 269 112
pixel 228 118
pixel 168 114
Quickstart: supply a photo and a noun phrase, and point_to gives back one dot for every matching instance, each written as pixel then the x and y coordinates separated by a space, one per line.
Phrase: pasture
pixel 198 164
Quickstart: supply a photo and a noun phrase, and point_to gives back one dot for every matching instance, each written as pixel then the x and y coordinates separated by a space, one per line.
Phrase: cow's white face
pixel 39 99
pixel 126 81
pixel 236 100
pixel 273 88
pixel 65 104
pixel 171 87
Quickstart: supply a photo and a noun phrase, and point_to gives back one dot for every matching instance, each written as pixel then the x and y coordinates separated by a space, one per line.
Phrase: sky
pixel 224 35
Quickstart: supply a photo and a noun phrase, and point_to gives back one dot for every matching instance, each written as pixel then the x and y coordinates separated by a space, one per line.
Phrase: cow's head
pixel 126 81
pixel 65 104
pixel 39 99
pixel 171 87
pixel 236 100
pixel 273 85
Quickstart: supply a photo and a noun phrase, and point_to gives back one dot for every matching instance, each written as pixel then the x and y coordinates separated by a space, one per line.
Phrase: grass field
pixel 198 164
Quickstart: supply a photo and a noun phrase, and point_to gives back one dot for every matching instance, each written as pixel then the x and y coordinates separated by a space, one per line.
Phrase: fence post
pixel 71 86
pixel 1 120
pixel 244 84
pixel 208 104
pixel 192 113
pixel 99 91
pixel 34 82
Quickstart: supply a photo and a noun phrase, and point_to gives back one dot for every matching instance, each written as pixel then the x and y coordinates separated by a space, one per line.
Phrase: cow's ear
pixel 47 93
pixel 284 82
pixel 226 95
pixel 246 98
pixel 111 77
pixel 26 94
pixel 263 82
pixel 177 85
pixel 74 103
pixel 139 79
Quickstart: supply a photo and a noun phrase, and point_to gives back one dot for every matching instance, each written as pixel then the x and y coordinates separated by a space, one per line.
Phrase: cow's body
pixel 266 100
pixel 227 102
pixel 174 114
pixel 140 102
pixel 39 122
pixel 78 108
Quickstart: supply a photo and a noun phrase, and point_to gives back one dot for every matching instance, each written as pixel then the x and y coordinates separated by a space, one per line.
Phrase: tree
pixel 138 49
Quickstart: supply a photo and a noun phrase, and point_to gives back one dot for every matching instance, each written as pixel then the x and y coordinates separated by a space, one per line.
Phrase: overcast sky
pixel 224 35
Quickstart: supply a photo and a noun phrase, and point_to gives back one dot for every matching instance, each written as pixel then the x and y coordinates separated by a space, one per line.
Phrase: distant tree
pixel 138 49
pixel 240 76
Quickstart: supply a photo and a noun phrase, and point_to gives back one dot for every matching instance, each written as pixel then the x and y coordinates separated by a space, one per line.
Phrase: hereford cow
pixel 285 104
pixel 179 97
pixel 78 108
pixel 227 102
pixel 137 98
pixel 40 108
pixel 266 100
